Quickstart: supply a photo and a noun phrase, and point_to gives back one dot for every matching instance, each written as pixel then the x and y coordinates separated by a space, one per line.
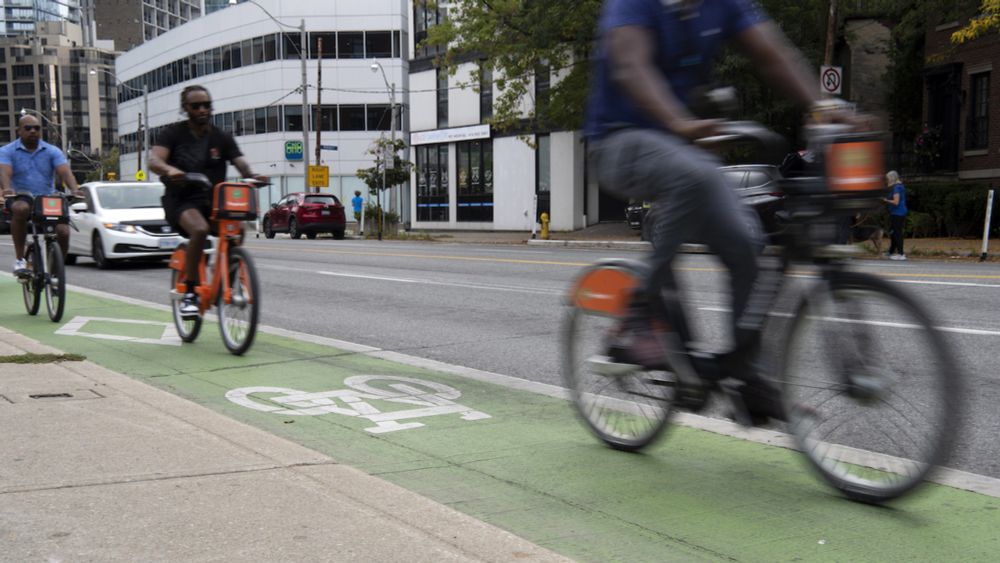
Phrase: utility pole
pixel 319 97
pixel 831 31
pixel 142 140
pixel 392 115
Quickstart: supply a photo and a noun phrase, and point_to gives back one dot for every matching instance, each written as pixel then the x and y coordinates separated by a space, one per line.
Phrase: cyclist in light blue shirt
pixel 31 165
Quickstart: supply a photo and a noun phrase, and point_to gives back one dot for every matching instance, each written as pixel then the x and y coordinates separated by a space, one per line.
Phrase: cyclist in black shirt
pixel 194 145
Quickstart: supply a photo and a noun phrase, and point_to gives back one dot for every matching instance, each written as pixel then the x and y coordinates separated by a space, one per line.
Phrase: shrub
pixel 947 209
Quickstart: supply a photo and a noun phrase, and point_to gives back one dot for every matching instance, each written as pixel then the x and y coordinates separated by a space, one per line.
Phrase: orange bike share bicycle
pixel 233 285
pixel 46 270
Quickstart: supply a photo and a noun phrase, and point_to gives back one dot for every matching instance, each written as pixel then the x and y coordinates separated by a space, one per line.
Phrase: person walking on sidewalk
pixel 897 214
pixel 31 165
pixel 358 203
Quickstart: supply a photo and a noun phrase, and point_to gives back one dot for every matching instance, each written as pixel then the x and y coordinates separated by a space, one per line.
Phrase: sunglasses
pixel 32 127
pixel 200 105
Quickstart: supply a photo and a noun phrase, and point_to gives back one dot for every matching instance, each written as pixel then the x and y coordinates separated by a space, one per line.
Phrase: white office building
pixel 251 66
pixel 470 177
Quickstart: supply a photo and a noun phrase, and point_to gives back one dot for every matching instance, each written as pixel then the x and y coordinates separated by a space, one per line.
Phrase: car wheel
pixel 338 235
pixel 311 235
pixel 70 259
pixel 97 253
pixel 293 228
pixel 268 231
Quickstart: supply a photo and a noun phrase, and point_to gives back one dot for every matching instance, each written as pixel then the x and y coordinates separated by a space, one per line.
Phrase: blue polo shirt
pixel 688 36
pixel 34 172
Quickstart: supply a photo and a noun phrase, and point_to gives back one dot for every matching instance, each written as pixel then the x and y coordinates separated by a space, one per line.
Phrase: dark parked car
pixel 306 213
pixel 756 184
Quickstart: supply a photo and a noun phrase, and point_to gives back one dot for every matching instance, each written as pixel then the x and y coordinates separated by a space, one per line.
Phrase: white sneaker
pixel 21 267
pixel 900 257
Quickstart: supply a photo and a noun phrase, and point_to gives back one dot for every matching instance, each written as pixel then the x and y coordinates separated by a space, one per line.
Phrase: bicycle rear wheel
pixel 625 408
pixel 55 282
pixel 30 286
pixel 871 387
pixel 238 317
pixel 187 329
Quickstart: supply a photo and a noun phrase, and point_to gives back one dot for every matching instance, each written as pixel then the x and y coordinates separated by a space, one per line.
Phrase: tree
pixel 516 38
pixel 987 21
pixel 109 163
pixel 396 175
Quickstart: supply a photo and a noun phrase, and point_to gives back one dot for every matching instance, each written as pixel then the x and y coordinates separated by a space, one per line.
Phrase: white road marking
pixel 955 478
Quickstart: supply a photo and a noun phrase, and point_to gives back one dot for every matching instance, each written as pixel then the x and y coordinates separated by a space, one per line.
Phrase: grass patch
pixel 41 358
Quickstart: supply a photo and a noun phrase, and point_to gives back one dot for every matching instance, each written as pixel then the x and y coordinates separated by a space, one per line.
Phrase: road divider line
pixel 958 479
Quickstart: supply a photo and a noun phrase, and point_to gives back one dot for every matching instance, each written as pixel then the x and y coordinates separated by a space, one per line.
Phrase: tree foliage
pixel 513 38
pixel 397 174
pixel 988 21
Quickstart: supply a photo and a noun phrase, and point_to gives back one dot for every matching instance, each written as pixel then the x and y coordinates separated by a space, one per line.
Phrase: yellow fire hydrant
pixel 545 226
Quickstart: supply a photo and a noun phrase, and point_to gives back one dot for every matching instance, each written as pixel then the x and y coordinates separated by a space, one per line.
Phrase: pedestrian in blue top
pixel 30 165
pixel 359 203
pixel 897 214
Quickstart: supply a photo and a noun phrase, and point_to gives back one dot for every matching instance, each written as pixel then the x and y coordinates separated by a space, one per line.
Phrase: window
pixel 543 174
pixel 424 18
pixel 293 118
pixel 378 44
pixel 249 125
pixel 257 52
pixel 432 182
pixel 23 71
pixel 978 123
pixel 485 93
pixel 542 83
pixel 351 44
pixel 328 118
pixel 24 88
pixel 227 57
pixel 260 120
pixel 352 118
pixel 475 181
pixel 270 48
pixel 329 44
pixel 378 117
pixel 273 119
pixel 246 53
pixel 442 98
pixel 291 46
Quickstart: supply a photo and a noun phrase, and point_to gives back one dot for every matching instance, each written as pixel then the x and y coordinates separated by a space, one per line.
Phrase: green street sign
pixel 293 150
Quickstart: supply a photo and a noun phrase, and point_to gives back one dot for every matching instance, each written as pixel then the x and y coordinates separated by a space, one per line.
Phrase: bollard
pixel 545 226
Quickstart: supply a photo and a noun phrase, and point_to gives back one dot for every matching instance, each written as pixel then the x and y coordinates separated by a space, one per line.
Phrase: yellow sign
pixel 319 176
pixel 140 175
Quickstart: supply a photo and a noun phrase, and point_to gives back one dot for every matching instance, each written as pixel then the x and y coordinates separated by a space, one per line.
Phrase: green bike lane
pixel 519 459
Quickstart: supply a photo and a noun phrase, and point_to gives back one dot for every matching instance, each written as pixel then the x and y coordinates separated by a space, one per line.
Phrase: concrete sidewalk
pixel 100 467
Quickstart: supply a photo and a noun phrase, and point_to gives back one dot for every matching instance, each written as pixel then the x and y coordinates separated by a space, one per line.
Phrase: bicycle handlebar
pixel 774 146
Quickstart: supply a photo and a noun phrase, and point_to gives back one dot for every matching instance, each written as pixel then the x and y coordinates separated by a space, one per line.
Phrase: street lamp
pixel 305 99
pixel 61 126
pixel 377 67
pixel 145 109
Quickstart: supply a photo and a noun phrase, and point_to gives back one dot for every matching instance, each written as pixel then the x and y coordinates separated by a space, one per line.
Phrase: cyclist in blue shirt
pixel 652 56
pixel 29 164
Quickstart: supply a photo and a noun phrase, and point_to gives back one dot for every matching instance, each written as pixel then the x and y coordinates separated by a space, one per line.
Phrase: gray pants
pixel 693 202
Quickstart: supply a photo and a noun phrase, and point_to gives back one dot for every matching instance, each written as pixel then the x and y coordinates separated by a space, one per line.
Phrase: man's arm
pixel 65 174
pixel 779 62
pixel 158 157
pixel 631 50
pixel 243 166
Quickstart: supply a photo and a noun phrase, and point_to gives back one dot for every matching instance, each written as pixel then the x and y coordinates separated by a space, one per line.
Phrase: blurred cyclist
pixel 29 164
pixel 194 145
pixel 653 55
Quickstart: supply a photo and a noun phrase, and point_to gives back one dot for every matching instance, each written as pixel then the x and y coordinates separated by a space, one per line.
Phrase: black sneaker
pixel 189 307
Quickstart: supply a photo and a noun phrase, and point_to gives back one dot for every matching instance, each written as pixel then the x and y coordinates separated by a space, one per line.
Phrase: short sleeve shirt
pixel 900 209
pixel 208 155
pixel 688 36
pixel 33 171
pixel 358 202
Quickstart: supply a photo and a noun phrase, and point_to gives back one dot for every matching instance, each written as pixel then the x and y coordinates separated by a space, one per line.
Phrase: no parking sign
pixel 830 79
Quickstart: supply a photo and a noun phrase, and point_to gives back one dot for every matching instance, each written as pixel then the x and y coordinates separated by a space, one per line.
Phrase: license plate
pixel 325 212
pixel 169 243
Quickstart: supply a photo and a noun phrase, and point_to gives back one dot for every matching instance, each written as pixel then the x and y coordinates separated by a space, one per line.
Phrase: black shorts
pixel 177 202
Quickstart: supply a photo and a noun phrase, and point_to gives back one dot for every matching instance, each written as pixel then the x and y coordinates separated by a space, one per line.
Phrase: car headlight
pixel 119 227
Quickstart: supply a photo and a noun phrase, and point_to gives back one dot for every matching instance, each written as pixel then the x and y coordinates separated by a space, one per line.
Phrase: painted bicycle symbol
pixel 430 398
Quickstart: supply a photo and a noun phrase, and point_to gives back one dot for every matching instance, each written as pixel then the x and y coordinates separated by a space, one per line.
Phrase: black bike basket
pixel 51 209
pixel 234 201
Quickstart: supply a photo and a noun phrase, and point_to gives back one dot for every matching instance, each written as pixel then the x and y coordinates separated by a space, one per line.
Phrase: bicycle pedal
pixel 606 366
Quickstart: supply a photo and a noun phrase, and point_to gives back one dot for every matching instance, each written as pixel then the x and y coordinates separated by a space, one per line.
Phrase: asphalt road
pixel 498 308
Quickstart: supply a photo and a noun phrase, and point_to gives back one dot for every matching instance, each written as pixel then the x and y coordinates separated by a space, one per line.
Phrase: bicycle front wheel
pixel 626 408
pixel 238 315
pixel 871 387
pixel 187 329
pixel 55 282
pixel 30 286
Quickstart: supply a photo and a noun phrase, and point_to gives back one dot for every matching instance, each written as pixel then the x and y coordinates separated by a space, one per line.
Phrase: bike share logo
pixel 429 398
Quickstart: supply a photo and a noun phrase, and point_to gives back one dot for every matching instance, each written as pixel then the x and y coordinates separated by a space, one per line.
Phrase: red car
pixel 306 213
